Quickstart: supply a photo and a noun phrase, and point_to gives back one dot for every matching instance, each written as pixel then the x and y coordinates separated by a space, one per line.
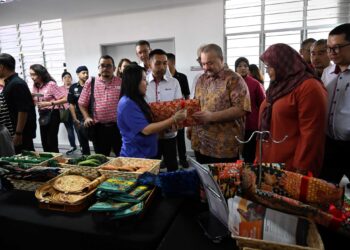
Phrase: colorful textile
pixel 228 176
pixel 164 110
pixel 312 191
pixel 215 93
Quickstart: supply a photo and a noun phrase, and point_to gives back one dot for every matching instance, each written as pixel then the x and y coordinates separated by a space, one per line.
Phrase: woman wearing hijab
pixel 295 106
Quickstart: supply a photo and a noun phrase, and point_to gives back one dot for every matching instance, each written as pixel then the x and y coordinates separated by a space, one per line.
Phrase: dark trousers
pixel 181 145
pixel 82 137
pixel 250 147
pixel 167 149
pixel 107 137
pixel 335 157
pixel 27 144
pixel 49 133
pixel 70 131
pixel 204 159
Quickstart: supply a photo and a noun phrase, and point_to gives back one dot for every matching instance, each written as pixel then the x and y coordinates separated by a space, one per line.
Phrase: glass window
pixel 251 26
pixel 35 43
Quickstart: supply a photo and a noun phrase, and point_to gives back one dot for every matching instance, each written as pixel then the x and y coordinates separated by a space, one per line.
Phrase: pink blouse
pixel 51 92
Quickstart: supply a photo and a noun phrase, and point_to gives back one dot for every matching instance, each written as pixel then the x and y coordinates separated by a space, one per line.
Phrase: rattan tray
pixel 152 166
pixel 78 205
pixel 314 242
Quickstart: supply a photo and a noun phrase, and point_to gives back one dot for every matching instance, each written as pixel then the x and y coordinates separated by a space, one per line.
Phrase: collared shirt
pixel 73 97
pixel 219 92
pixel 338 108
pixel 106 95
pixel 167 89
pixel 51 92
pixel 19 99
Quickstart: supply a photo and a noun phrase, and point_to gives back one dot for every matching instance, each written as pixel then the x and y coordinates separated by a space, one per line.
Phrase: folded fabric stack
pixel 120 197
pixel 163 110
pixel 301 195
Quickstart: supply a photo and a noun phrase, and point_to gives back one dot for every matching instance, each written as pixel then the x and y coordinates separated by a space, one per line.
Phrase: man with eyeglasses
pixel 337 81
pixel 106 96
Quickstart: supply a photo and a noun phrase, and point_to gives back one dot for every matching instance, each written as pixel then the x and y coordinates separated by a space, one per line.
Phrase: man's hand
pixel 88 122
pixel 17 140
pixel 203 116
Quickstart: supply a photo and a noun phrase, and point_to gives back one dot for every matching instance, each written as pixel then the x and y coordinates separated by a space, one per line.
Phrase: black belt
pixel 108 124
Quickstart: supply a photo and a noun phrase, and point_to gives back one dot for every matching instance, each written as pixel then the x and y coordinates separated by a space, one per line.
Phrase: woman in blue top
pixel 134 116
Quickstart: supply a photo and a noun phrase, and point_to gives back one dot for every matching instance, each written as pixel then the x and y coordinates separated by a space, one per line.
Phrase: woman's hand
pixel 180 115
pixel 43 104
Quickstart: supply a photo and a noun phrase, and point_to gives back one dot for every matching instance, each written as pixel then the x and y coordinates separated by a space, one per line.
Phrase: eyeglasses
pixel 336 48
pixel 107 66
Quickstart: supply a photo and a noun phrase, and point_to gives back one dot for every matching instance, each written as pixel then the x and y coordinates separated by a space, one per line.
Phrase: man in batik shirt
pixel 224 100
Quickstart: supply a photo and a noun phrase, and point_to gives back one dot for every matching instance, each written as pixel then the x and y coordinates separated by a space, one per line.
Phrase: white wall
pixel 190 26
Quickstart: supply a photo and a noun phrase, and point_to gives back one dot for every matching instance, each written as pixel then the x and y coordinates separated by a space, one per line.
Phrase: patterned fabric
pixel 164 110
pixel 51 92
pixel 313 191
pixel 217 93
pixel 106 99
pixel 228 176
pixel 291 71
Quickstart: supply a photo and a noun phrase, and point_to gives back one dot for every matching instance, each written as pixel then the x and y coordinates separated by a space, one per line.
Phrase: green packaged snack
pixel 136 209
pixel 109 206
pixel 118 185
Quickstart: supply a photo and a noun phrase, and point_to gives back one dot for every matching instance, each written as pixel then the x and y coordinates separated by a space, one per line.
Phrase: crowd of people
pixel 307 104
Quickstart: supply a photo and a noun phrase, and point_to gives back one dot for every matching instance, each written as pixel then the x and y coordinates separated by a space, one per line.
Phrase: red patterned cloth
pixel 163 110
pixel 228 176
pixel 310 190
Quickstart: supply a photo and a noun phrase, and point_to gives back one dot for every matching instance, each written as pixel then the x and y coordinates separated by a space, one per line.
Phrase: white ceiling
pixel 20 11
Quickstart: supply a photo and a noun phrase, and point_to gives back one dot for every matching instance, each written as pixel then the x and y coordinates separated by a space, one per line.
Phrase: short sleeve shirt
pixel 131 121
pixel 219 92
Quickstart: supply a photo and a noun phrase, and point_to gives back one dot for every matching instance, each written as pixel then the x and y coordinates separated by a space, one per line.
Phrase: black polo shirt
pixel 19 99
pixel 182 78
pixel 73 97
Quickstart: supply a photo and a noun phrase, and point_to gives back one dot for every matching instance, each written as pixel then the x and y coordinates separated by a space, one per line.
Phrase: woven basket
pixel 77 206
pixel 153 166
pixel 27 185
pixel 314 242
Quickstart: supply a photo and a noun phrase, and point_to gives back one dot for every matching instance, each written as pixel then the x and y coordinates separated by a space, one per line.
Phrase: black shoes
pixel 71 151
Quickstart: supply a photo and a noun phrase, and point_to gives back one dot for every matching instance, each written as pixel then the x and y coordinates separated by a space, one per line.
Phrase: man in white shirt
pixel 161 88
pixel 337 81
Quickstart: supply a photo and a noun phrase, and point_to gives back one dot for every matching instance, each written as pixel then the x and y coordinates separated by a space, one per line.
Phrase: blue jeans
pixel 70 131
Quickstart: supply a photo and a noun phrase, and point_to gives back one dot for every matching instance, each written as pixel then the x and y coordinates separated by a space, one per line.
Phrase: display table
pixel 185 232
pixel 24 225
